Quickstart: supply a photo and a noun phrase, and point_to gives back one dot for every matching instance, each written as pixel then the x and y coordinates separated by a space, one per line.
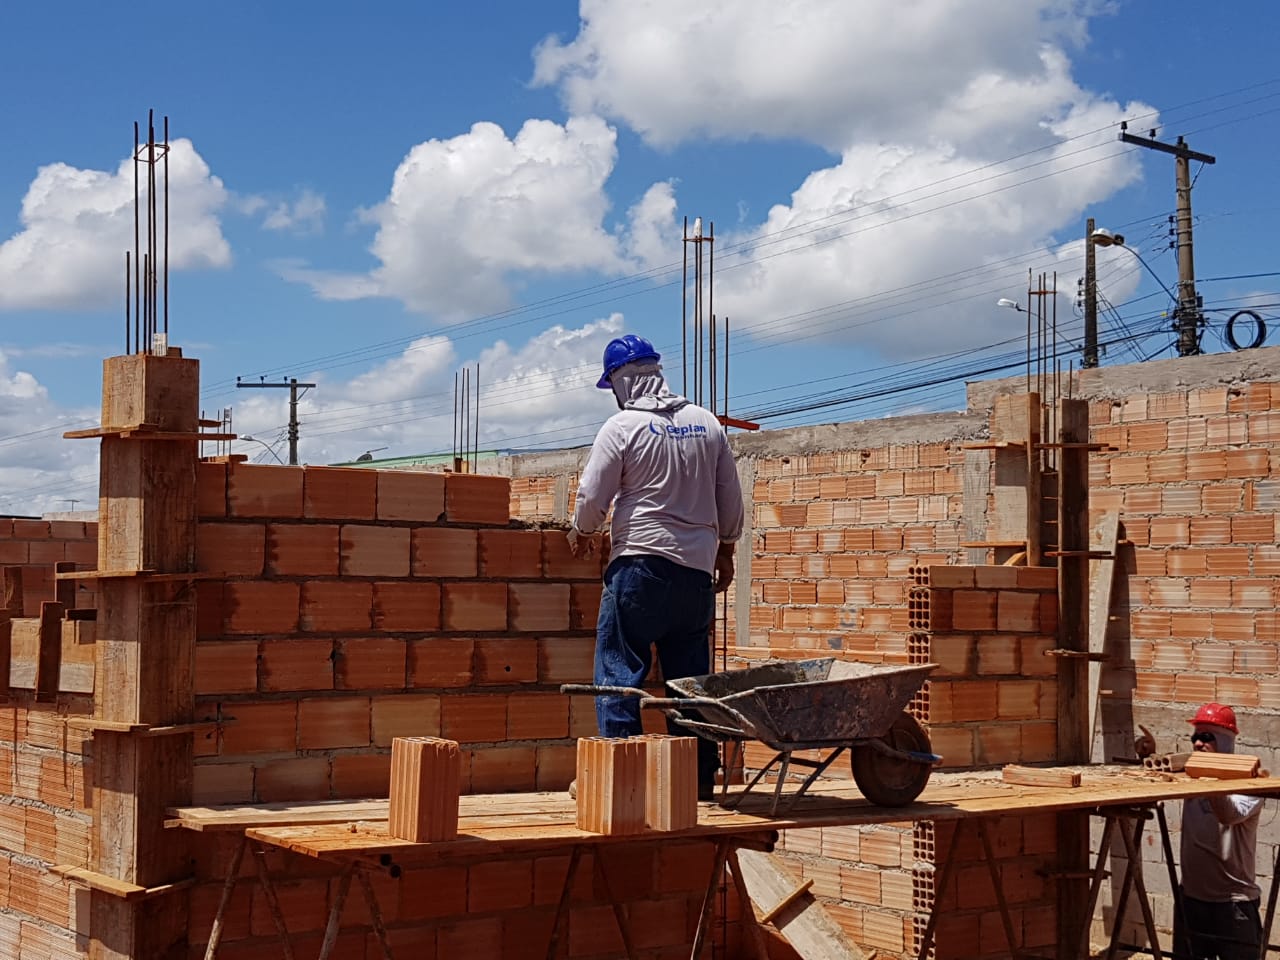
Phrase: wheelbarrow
pixel 798 705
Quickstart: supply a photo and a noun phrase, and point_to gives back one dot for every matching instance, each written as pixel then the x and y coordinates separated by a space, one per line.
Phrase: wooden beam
pixel 49 660
pixel 1103 536
pixel 1040 776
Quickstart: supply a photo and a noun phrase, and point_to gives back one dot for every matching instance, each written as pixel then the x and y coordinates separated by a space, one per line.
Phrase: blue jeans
pixel 651 602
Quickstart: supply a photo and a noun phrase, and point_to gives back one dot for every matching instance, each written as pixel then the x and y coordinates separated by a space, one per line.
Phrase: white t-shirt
pixel 1218 858
pixel 675 481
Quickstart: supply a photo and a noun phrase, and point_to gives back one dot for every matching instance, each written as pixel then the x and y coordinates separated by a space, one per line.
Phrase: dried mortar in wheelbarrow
pixel 808 701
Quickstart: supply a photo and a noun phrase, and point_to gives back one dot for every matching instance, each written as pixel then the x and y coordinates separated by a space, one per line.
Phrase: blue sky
pixel 374 199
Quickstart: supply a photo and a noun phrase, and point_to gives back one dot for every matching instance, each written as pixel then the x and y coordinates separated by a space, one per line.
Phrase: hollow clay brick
pixel 371 663
pixel 445 552
pixel 503 769
pixel 326 723
pixel 412 606
pixel 510 554
pixel 293 779
pixel 333 605
pixel 542 607
pixel 405 715
pixel 211 489
pixel 476 606
pixel 671 782
pixel 425 785
pixel 259 727
pixel 559 563
pixel 302 550
pixel 474 498
pixel 441 662
pixel 296 664
pixel 410 495
pixel 256 490
pixel 368 551
pixel 236 549
pixel 226 667
pixel 584 605
pixel 504 661
pixel 261 607
pixel 611 785
pixel 338 493
pixel 537 716
pixel 474 718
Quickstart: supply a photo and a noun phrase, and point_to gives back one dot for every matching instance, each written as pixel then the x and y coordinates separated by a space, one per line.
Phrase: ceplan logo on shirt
pixel 694 431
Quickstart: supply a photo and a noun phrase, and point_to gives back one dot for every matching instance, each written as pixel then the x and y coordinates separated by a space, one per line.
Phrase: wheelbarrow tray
pixel 791 702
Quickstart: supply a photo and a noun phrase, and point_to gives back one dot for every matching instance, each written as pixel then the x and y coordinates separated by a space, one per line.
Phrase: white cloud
pixel 826 71
pixel 39 470
pixel 304 215
pixel 539 393
pixel 77 224
pixel 470 216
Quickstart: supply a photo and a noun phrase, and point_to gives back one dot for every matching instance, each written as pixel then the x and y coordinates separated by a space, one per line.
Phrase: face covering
pixel 641 386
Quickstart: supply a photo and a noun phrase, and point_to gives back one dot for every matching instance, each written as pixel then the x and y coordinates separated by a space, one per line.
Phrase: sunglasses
pixel 1204 737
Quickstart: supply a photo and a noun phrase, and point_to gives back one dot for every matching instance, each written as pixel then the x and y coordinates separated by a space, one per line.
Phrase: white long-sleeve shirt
pixel 676 485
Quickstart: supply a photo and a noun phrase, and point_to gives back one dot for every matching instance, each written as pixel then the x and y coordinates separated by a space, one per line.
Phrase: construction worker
pixel 665 466
pixel 1220 893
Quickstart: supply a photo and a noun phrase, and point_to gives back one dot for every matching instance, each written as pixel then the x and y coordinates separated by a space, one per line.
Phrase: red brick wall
pixel 36 545
pixel 360 606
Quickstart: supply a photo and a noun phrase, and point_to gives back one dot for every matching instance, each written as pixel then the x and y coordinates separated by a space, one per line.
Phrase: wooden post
pixel 49 659
pixel 10 610
pixel 145 648
pixel 1073 676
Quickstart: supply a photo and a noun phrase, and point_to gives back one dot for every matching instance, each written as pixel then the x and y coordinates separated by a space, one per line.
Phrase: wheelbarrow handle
pixel 603 690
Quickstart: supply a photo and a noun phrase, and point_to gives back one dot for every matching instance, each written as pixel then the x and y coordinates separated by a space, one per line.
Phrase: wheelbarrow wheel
pixel 888 781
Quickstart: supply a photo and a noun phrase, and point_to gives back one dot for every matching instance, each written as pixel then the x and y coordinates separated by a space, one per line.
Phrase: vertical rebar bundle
pixel 466 421
pixel 146 320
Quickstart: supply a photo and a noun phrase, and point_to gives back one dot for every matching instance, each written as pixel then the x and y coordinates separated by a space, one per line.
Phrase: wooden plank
pixel 977 489
pixel 50 656
pixel 1104 534
pixel 116 888
pixel 10 610
pixel 802 920
pixel 339 841
pixel 1073 673
pixel 1040 776
pixel 76 670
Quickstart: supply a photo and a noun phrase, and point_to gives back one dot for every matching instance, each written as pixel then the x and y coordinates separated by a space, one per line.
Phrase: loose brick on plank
pixel 339 493
pixel 445 552
pixel 256 490
pixel 409 606
pixel 261 607
pixel 368 551
pixel 510 554
pixel 236 549
pixel 326 723
pixel 410 495
pixel 476 606
pixel 371 663
pixel 443 662
pixel 302 549
pixel 474 498
pixel 337 606
pixel 425 783
pixel 296 664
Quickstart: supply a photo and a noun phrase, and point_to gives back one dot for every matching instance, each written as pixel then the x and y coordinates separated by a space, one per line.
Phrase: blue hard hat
pixel 625 349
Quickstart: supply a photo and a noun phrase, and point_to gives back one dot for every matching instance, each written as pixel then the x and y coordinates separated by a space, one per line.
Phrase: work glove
pixel 582 544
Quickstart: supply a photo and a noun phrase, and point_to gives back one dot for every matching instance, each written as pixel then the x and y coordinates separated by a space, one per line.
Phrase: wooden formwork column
pixel 145 648
pixel 1073 671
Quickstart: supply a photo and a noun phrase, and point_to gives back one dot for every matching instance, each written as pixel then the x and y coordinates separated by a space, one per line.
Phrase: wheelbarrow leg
pixel 731 803
pixel 782 779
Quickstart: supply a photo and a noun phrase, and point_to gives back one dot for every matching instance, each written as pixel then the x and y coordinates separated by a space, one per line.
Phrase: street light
pixel 269 448
pixel 1011 304
pixel 1103 237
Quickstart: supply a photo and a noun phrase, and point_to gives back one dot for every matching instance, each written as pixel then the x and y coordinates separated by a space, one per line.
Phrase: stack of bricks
pixel 835 536
pixel 1195 478
pixel 360 606
pixel 45 814
pixel 36 545
pixel 993 698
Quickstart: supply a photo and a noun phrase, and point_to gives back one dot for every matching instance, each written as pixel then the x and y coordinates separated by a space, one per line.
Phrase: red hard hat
pixel 1217 714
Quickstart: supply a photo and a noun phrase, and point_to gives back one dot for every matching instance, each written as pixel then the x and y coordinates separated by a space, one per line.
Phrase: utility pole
pixel 293 386
pixel 1189 316
pixel 1090 358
